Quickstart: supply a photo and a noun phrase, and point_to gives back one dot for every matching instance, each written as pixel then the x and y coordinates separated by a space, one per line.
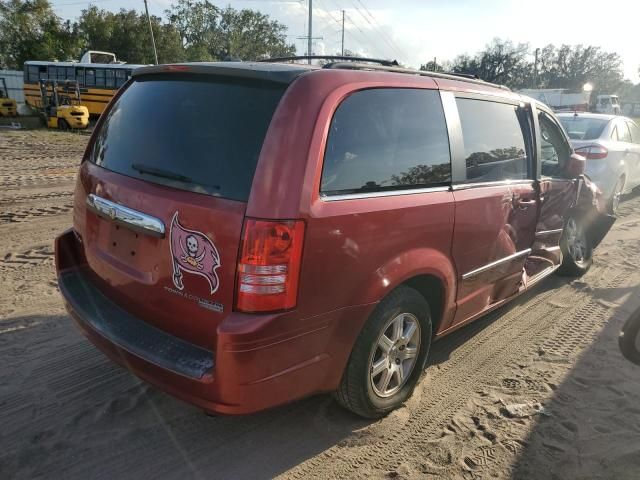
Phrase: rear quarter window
pixel 386 139
pixel 198 133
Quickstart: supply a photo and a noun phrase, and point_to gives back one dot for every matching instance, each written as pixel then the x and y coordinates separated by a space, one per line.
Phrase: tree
pixel 432 66
pixel 126 33
pixel 208 32
pixel 572 66
pixel 30 30
pixel 500 62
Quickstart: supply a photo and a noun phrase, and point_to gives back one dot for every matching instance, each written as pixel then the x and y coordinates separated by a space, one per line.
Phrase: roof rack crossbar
pixel 449 76
pixel 386 63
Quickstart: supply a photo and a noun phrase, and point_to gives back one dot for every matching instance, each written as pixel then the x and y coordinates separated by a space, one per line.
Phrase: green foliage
pixel 500 62
pixel 432 66
pixel 565 67
pixel 195 31
pixel 126 33
pixel 573 66
pixel 214 33
pixel 30 30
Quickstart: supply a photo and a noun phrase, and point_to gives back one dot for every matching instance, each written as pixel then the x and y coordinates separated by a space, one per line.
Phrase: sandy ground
pixel 68 412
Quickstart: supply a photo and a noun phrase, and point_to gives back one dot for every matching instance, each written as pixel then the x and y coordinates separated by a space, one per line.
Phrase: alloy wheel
pixel 395 354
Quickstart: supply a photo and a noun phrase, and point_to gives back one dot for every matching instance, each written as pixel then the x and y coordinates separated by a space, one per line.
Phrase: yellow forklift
pixel 8 107
pixel 61 107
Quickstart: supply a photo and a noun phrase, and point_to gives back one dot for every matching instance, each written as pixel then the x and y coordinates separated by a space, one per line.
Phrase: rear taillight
pixel 269 265
pixel 593 152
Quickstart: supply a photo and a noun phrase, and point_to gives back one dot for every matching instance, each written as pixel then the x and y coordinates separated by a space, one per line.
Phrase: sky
pixel 414 32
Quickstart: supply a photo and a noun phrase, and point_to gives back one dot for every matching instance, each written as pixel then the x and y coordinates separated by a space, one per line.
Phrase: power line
pixel 364 35
pixel 330 15
pixel 386 38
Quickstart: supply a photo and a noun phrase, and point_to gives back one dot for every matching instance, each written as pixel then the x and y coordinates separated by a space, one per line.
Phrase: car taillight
pixel 269 265
pixel 593 152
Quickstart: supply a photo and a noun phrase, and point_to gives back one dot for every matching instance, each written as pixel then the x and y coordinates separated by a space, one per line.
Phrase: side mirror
pixel 576 165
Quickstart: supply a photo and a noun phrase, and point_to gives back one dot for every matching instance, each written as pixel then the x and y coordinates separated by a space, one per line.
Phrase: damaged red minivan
pixel 247 234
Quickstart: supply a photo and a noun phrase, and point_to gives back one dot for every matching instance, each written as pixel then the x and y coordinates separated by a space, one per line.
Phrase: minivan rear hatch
pixel 163 192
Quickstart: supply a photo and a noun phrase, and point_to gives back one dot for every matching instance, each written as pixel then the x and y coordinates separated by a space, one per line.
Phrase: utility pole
pixel 310 42
pixel 153 40
pixel 342 33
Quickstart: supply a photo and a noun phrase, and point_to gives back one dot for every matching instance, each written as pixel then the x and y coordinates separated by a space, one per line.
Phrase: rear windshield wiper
pixel 160 172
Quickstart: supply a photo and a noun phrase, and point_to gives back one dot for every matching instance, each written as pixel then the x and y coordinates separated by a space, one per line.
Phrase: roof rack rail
pixel 464 77
pixel 386 63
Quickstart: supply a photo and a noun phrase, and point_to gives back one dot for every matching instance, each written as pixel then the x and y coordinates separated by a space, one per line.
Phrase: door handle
pixel 524 204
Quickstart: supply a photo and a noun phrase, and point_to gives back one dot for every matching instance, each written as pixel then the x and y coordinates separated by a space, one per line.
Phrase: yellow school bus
pixel 98 81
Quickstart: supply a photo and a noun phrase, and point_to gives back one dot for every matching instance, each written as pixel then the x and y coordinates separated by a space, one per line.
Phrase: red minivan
pixel 247 234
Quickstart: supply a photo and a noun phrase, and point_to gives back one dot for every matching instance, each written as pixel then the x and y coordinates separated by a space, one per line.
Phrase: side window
pixel 34 72
pixel 90 77
pixel 494 143
pixel 635 132
pixel 71 73
pixel 387 139
pixel 121 77
pixel 110 78
pixel 52 73
pixel 555 150
pixel 99 77
pixel 80 76
pixel 623 132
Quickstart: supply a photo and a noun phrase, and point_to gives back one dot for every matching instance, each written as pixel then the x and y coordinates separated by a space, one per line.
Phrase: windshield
pixel 583 128
pixel 189 132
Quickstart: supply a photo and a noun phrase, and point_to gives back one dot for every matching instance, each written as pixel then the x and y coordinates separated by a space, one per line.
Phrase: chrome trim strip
pixel 498 183
pixel 127 217
pixel 543 233
pixel 390 193
pixel 494 264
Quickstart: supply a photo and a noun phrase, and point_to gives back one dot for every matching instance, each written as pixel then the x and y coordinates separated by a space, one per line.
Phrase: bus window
pixel 34 74
pixel 52 72
pixel 62 73
pixel 99 77
pixel 80 76
pixel 121 77
pixel 90 77
pixel 110 79
pixel 71 73
pixel 42 72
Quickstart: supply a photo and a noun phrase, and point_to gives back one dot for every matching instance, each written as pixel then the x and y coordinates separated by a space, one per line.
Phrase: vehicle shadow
pixel 593 425
pixel 67 410
pixel 442 349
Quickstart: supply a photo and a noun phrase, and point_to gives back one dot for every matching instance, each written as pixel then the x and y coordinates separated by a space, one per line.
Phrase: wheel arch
pixel 426 270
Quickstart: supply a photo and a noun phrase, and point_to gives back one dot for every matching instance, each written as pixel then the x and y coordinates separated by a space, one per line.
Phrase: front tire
pixel 577 253
pixel 63 124
pixel 388 357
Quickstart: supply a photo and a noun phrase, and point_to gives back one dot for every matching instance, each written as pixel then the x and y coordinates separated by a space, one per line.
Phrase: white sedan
pixel 611 145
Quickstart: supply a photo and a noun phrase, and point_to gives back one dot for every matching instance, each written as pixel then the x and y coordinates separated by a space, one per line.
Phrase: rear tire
pixel 616 196
pixel 577 253
pixel 388 357
pixel 629 340
pixel 62 124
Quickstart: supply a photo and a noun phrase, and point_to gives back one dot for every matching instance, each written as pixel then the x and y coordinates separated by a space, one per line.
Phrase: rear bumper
pixel 254 366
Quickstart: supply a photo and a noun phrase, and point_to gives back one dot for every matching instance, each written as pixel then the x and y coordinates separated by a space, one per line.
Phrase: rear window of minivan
pixel 192 132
